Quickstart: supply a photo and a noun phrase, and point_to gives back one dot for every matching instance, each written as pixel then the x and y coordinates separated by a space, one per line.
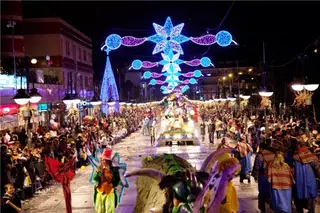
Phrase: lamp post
pixel 35 97
pixel 264 92
pixel 22 98
pixel 71 99
pixel 11 25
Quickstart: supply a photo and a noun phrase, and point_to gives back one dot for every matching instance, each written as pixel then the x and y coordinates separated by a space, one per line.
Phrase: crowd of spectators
pixel 22 155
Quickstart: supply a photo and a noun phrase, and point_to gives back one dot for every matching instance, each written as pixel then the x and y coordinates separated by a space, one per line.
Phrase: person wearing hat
pixel 107 178
pixel 306 170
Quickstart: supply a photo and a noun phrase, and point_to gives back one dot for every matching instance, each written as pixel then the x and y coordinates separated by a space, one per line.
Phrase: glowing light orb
pixel 197 73
pixel 113 41
pixel 136 64
pixel 205 61
pixel 223 38
pixel 147 75
pixel 153 82
pixel 192 81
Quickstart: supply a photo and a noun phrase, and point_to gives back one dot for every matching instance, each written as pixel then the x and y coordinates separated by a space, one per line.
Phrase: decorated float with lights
pixel 177 124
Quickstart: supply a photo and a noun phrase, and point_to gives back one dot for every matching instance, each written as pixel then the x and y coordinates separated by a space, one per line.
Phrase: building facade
pixel 69 51
pixel 62 53
pixel 224 79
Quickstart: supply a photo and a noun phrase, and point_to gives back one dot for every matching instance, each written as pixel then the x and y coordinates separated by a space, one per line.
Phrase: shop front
pixel 9 116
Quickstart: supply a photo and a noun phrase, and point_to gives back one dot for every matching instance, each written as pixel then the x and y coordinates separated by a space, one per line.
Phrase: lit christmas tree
pixel 109 90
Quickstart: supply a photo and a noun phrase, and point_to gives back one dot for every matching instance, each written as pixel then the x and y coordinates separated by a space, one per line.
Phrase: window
pixel 68 47
pixel 86 81
pixel 75 81
pixel 90 57
pixel 74 52
pixel 84 55
pixel 80 54
pixel 81 81
pixel 61 46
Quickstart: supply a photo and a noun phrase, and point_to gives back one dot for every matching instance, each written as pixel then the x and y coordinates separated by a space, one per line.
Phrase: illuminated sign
pixel 8 109
pixel 9 81
pixel 42 107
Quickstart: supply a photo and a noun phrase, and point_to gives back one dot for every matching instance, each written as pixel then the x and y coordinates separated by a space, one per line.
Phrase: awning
pixel 8 121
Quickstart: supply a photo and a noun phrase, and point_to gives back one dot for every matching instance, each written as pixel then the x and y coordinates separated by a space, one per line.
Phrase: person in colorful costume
pixel 244 156
pixel 230 203
pixel 281 179
pixel 264 157
pixel 107 175
pixel 202 191
pixel 306 185
pixel 62 173
pixel 107 178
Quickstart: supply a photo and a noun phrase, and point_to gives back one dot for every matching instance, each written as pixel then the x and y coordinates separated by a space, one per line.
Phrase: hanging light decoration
pixel 21 97
pixel 35 97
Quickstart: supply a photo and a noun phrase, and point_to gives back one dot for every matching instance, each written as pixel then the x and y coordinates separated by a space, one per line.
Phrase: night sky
pixel 287 28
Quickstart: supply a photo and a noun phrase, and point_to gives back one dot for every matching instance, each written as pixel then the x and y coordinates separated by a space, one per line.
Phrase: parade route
pixel 131 150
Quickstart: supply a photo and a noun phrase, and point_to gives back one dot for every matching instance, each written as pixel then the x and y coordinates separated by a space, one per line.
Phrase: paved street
pixel 131 149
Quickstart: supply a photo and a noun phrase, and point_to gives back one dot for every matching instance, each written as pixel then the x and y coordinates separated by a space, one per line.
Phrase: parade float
pixel 177 123
pixel 169 184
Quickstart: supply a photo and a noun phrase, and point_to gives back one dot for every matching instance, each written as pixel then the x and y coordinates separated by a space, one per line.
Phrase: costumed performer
pixel 108 174
pixel 219 192
pixel 225 186
pixel 62 173
pixel 281 179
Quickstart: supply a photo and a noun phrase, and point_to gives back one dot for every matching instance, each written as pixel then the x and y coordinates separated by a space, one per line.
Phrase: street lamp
pixel 67 100
pixel 35 97
pixel 11 25
pixel 95 101
pixel 21 97
pixel 34 61
pixel 265 93
pixel 300 87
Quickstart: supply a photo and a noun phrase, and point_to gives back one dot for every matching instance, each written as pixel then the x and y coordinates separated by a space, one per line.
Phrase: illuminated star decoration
pixel 171 66
pixel 122 170
pixel 168 37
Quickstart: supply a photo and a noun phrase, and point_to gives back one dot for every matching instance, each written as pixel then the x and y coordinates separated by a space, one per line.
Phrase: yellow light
pixel 224 78
pixel 250 70
pixel 240 73
pixel 315 51
pixel 230 75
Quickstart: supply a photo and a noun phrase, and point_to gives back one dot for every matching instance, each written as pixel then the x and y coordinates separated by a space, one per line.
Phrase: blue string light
pixel 147 75
pixel 153 82
pixel 192 81
pixel 185 88
pixel 205 61
pixel 197 73
pixel 136 64
pixel 113 41
pixel 223 38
